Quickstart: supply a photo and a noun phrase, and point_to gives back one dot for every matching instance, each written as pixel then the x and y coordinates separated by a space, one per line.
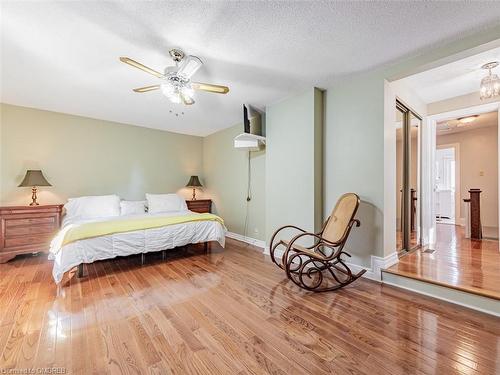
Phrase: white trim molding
pixel 248 240
pixel 377 265
pixel 458 297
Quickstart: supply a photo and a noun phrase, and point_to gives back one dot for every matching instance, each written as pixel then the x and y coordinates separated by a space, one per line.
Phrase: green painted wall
pixel 354 158
pixel 293 162
pixel 83 156
pixel 226 179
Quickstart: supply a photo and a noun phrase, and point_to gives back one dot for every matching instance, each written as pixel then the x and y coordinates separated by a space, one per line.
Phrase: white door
pixel 445 185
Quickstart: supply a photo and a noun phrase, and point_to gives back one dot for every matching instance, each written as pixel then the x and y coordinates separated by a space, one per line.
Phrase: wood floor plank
pixel 230 311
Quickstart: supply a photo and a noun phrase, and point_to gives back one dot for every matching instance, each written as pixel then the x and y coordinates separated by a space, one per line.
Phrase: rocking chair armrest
pixel 280 229
pixel 315 235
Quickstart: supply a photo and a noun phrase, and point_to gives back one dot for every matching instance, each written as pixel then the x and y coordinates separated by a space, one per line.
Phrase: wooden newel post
pixel 476 231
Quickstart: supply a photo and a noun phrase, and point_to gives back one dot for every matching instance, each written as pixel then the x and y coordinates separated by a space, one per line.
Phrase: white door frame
pixel 429 160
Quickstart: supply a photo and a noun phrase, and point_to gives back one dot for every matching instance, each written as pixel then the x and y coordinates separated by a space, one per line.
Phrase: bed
pixel 85 240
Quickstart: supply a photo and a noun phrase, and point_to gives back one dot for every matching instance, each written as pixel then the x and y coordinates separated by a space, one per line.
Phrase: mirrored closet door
pixel 408 127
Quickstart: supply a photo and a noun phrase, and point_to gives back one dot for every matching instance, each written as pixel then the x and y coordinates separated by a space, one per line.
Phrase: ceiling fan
pixel 176 82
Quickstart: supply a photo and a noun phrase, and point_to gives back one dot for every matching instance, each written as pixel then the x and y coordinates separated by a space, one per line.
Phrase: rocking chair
pixel 319 267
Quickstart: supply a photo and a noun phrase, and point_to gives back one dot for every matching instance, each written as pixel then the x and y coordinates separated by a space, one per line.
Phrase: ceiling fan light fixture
pixel 171 92
pixel 490 85
pixel 175 99
pixel 176 82
pixel 174 91
pixel 188 66
pixel 188 91
pixel 168 89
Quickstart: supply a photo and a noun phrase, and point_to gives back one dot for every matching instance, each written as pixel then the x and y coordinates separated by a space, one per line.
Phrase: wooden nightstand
pixel 27 229
pixel 200 205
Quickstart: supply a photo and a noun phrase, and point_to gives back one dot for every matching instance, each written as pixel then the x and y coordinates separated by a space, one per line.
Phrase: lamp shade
pixel 34 178
pixel 194 181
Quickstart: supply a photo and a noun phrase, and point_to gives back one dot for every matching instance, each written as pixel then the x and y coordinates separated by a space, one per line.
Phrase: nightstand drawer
pixel 38 240
pixel 14 222
pixel 200 206
pixel 14 231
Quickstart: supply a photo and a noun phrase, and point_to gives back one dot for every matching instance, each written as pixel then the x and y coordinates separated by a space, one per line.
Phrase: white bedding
pixel 135 242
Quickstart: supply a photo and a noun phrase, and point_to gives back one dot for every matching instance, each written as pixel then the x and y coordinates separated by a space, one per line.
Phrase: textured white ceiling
pixel 63 56
pixel 457 78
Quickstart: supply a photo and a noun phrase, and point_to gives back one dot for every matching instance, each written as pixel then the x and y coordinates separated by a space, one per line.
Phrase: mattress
pixel 133 242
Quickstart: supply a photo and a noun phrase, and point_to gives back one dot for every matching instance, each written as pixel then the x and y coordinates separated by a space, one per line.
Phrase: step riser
pixel 472 301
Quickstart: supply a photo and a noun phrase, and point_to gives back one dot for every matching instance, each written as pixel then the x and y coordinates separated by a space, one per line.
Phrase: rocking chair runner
pixel 319 267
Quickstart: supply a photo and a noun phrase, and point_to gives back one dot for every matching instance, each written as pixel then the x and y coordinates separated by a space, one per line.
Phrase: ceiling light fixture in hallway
pixel 490 85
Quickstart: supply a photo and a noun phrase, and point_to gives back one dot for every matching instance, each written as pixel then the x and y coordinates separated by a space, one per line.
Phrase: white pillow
pixel 165 203
pixel 93 207
pixel 132 207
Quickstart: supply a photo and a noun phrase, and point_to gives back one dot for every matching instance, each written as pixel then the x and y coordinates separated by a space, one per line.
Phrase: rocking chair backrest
pixel 338 222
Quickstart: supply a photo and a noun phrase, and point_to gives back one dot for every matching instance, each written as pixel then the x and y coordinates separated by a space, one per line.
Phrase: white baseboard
pixel 377 265
pixel 373 273
pixel 381 263
pixel 248 240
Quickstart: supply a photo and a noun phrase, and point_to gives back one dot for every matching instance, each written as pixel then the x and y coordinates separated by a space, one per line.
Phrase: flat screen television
pixel 246 120
pixel 252 120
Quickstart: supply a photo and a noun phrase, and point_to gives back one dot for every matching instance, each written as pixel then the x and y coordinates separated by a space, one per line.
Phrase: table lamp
pixel 194 182
pixel 34 178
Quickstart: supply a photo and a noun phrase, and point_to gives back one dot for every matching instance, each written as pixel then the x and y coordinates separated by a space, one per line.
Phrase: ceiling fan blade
pixel 187 100
pixel 144 68
pixel 210 88
pixel 189 66
pixel 147 88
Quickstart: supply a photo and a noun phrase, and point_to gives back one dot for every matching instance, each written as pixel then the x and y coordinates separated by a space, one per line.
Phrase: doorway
pixel 451 253
pixel 447 184
pixel 408 127
pixel 466 158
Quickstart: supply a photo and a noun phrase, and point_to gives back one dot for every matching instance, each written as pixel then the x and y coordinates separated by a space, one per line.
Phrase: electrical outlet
pixel 481 173
pixel 256 231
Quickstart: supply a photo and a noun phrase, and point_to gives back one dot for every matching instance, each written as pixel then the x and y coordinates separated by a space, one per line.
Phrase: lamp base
pixel 33 197
pixel 194 194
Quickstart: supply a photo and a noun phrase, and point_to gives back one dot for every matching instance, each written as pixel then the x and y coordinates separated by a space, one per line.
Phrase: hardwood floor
pixel 229 312
pixel 469 265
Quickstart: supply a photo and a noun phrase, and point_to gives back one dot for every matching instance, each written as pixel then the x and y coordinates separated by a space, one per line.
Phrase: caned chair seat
pixel 323 270
pixel 301 249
